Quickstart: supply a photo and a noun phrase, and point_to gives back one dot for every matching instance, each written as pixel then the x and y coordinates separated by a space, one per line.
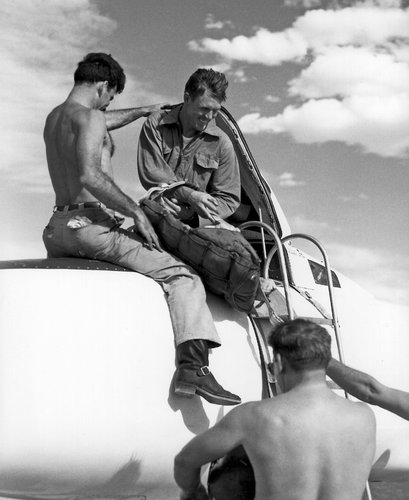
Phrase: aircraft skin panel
pixel 87 359
pixel 85 383
pixel 86 362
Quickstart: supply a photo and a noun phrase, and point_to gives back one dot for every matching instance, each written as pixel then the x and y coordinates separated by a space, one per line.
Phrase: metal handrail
pixel 324 254
pixel 281 259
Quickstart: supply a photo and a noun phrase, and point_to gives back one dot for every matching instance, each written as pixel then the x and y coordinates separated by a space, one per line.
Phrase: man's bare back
pixel 305 444
pixel 61 135
pixel 326 440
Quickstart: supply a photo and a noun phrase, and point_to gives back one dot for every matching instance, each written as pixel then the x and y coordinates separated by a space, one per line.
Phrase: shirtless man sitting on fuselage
pixel 84 222
pixel 305 444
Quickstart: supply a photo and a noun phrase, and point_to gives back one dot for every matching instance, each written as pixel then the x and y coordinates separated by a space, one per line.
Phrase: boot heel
pixel 185 390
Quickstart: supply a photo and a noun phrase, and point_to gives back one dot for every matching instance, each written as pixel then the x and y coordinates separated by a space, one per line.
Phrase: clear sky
pixel 319 88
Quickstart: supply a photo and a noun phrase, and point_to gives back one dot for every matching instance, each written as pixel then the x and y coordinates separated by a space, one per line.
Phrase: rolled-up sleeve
pixel 152 168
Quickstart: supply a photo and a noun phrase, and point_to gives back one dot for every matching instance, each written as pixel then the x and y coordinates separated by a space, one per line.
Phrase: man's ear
pixel 279 362
pixel 186 97
pixel 101 86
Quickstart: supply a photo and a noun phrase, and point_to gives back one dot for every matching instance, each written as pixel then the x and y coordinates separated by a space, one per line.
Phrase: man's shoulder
pixel 75 115
pixel 162 117
pixel 356 411
pixel 224 139
pixel 362 408
pixel 254 411
pixel 87 117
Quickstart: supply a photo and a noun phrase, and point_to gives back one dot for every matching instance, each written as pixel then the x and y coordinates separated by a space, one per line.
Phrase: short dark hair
pixel 303 343
pixel 207 79
pixel 100 67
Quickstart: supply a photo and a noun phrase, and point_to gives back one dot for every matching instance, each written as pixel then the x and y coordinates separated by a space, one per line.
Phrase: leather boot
pixel 194 377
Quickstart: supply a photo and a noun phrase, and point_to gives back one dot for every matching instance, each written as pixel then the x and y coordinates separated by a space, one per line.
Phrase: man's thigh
pixel 128 249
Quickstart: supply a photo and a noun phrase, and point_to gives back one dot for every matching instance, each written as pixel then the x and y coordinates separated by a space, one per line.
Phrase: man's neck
pixel 83 95
pixel 187 131
pixel 314 379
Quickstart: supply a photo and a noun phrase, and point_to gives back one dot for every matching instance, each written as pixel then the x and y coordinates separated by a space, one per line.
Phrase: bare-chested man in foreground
pixel 84 223
pixel 305 444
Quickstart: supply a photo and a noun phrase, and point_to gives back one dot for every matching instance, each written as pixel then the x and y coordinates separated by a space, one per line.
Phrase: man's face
pixel 200 111
pixel 107 95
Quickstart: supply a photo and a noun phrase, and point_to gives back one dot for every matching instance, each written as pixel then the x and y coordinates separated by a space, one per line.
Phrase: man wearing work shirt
pixel 185 144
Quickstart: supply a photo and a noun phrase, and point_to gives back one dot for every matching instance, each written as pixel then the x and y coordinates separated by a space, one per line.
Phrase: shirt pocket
pixel 204 166
pixel 206 161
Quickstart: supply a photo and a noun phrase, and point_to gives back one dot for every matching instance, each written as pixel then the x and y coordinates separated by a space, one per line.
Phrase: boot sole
pixel 217 400
pixel 188 391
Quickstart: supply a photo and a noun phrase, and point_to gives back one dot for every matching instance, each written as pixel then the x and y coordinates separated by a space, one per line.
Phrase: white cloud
pixel 377 124
pixel 264 47
pixel 355 86
pixel 374 270
pixel 303 224
pixel 347 199
pixel 311 4
pixel 271 98
pixel 40 46
pixel 351 71
pixel 212 24
pixel 364 24
pixel 222 66
pixel 288 180
pixel 254 123
pixel 240 75
pixel 306 4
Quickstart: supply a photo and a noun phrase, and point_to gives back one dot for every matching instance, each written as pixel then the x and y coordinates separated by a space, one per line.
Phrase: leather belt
pixel 77 206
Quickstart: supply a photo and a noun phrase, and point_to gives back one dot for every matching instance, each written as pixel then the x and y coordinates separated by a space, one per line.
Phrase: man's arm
pixel 204 448
pixel 368 389
pixel 152 167
pixel 120 117
pixel 90 136
pixel 225 185
pixel 153 170
pixel 222 196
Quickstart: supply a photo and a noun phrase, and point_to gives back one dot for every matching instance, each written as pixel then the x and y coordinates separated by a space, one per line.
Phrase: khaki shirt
pixel 207 162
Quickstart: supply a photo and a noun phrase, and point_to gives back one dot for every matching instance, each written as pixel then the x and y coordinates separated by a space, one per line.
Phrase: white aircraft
pixel 87 357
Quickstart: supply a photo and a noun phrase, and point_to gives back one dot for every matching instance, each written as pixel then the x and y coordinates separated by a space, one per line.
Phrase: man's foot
pixel 190 381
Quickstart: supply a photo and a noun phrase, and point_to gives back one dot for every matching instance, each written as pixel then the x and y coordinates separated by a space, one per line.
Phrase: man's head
pixel 203 80
pixel 204 93
pixel 103 71
pixel 304 345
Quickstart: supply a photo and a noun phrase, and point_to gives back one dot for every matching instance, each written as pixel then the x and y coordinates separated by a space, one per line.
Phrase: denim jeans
pixel 95 233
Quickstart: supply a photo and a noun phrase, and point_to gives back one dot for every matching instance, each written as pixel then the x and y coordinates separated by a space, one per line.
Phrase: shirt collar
pixel 172 117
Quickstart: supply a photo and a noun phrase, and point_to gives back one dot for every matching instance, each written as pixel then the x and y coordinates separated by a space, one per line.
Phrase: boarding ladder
pixel 333 321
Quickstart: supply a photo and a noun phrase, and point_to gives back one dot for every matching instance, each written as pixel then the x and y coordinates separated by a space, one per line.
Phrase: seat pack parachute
pixel 226 262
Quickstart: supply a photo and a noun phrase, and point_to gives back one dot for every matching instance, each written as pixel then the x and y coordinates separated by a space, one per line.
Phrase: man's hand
pixel 199 494
pixel 177 209
pixel 148 110
pixel 144 227
pixel 204 204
